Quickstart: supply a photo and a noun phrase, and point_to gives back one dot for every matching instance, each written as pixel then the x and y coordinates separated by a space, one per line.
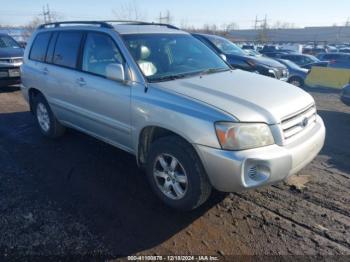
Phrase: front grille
pixel 293 125
pixel 11 60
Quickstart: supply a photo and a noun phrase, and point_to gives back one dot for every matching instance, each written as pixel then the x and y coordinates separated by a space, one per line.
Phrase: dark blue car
pixel 297 74
pixel 336 60
pixel 11 58
pixel 239 59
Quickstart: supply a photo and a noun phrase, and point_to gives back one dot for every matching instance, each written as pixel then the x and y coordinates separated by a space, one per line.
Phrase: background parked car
pixel 304 61
pixel 345 95
pixel 337 60
pixel 11 57
pixel 297 74
pixel 314 50
pixel 274 49
pixel 248 47
pixel 252 52
pixel 237 58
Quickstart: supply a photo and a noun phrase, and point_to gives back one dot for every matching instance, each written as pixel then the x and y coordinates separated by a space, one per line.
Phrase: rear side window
pixel 39 47
pixel 51 48
pixel 67 49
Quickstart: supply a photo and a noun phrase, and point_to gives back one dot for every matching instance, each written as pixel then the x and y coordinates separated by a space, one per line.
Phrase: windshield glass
pixel 226 46
pixel 289 63
pixel 8 42
pixel 163 57
pixel 311 59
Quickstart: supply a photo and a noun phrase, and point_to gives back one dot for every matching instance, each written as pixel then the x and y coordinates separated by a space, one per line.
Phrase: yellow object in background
pixel 328 77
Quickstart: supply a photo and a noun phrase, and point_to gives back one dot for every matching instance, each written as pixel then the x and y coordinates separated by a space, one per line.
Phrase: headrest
pixel 145 52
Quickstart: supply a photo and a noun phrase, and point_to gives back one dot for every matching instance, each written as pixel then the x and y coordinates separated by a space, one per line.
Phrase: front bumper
pixel 234 171
pixel 5 79
pixel 345 99
pixel 10 81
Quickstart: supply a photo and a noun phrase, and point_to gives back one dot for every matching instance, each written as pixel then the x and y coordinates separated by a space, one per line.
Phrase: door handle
pixel 45 71
pixel 81 81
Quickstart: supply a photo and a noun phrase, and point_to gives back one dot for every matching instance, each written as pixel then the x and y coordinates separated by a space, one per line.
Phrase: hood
pixel 11 52
pixel 267 61
pixel 259 60
pixel 246 96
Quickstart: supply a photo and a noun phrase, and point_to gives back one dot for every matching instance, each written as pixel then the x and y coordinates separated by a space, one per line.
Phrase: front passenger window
pixel 99 52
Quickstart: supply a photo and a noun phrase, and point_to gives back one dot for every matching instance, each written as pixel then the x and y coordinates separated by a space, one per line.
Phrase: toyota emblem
pixel 305 122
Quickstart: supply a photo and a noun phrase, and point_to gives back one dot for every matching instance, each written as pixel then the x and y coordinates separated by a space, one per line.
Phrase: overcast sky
pixel 189 12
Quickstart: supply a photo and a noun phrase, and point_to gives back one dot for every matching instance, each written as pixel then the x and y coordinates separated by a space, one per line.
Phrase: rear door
pixel 61 74
pixel 34 71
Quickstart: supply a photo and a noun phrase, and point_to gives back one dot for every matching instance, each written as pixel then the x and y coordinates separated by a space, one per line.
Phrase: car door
pixel 35 70
pixel 103 103
pixel 61 74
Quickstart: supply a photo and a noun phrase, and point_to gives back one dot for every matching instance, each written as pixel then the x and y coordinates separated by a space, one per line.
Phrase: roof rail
pixel 130 22
pixel 59 24
pixel 104 24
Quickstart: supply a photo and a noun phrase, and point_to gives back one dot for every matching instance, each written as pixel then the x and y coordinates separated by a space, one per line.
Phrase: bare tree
pixel 282 25
pixel 129 11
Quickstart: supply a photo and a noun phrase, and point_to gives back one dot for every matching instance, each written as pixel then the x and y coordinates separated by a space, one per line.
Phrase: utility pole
pixel 259 23
pixel 347 23
pixel 164 19
pixel 47 14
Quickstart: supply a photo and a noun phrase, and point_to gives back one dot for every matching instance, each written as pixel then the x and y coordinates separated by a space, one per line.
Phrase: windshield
pixel 8 42
pixel 226 46
pixel 289 63
pixel 163 57
pixel 311 59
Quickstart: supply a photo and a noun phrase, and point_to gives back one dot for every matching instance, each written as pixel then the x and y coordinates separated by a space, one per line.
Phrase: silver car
pixel 160 94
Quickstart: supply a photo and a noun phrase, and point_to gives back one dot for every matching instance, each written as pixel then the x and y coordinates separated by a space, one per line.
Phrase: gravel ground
pixel 80 197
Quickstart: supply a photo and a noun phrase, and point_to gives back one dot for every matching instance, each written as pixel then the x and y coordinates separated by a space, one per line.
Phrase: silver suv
pixel 160 94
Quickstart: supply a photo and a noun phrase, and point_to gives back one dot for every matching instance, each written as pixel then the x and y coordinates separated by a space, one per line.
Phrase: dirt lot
pixel 79 196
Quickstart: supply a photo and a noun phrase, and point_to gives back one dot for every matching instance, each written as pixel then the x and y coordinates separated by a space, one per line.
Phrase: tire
pixel 296 81
pixel 46 121
pixel 197 189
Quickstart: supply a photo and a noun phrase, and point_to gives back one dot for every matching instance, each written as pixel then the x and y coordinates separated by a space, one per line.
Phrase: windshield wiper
pixel 167 78
pixel 213 70
pixel 174 77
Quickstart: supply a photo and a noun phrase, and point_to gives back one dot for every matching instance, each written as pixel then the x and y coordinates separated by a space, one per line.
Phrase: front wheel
pixel 176 175
pixel 296 81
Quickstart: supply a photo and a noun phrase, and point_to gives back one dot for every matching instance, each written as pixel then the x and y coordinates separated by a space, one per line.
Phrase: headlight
pixel 241 136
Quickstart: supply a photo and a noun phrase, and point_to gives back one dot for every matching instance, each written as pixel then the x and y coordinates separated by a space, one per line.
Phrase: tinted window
pixel 8 42
pixel 225 46
pixel 99 52
pixel 51 48
pixel 67 49
pixel 39 47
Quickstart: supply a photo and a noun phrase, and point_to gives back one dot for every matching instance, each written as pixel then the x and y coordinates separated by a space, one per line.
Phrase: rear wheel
pixel 176 174
pixel 296 81
pixel 47 122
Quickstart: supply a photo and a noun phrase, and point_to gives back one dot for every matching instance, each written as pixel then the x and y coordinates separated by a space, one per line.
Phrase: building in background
pixel 334 34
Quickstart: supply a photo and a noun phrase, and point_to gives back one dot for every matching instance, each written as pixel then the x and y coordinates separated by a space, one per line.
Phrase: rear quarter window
pixel 39 47
pixel 67 49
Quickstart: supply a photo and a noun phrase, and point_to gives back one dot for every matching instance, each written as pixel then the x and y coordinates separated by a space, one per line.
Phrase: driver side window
pixel 99 52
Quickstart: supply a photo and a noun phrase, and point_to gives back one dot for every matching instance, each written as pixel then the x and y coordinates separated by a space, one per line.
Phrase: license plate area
pixel 14 73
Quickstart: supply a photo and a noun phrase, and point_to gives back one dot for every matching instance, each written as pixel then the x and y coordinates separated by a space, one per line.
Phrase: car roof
pixel 146 29
pixel 207 35
pixel 121 26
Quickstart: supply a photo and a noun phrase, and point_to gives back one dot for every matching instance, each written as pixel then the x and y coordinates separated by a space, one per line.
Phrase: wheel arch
pixel 32 93
pixel 148 135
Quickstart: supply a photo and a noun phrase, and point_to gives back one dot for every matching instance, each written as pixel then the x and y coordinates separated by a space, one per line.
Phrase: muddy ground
pixel 78 196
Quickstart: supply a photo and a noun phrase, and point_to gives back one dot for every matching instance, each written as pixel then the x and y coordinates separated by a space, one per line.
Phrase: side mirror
pixel 115 72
